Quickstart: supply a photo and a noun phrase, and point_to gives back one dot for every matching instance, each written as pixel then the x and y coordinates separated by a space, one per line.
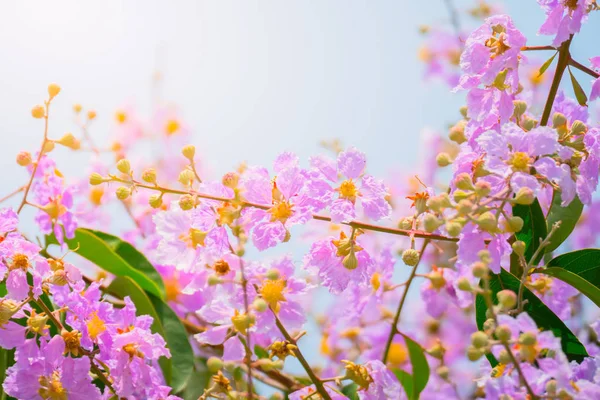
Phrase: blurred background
pixel 250 78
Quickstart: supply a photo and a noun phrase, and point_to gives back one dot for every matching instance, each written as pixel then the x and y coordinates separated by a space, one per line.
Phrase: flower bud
pixel 350 261
pixel 484 256
pixel 53 90
pixel 460 195
pixel 528 339
pixel 431 222
pixel 578 128
pixel 124 166
pixel 68 140
pixel 48 146
pixel 487 222
pixel 503 333
pixel 187 202
pixel 230 180
pixel 479 339
pixel 437 350
pixel 463 181
pixel 474 354
pixel 443 159
pixel 520 108
pixel 77 108
pixel 8 308
pixel 91 114
pixel 96 179
pixel 464 111
pixel 489 325
pixel 155 201
pixel 464 207
pixel 519 247
pixel 188 152
pixel 24 158
pixel 480 269
pixel 515 223
pixel 214 364
pixel 273 274
pixel 123 192
pixel 405 223
pixel 186 177
pixel 457 133
pixel 525 196
pixel 260 305
pixel 437 280
pixel 551 387
pixel 559 120
pixel 38 112
pixel 149 175
pixel 453 228
pixel 214 280
pixel 464 284
pixel 482 188
pixel 410 257
pixel 443 372
pixel 504 357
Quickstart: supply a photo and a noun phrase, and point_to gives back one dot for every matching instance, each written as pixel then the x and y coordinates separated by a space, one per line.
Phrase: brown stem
pixel 583 68
pixel 535 48
pixel 563 61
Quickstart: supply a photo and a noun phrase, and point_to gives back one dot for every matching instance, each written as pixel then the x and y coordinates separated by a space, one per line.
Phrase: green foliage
pixel 534 228
pixel 568 217
pixel 415 383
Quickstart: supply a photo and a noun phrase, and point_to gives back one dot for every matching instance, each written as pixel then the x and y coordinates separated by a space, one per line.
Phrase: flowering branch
pixel 583 68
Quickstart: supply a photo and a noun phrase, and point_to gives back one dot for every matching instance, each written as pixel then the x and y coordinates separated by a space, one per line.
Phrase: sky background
pixel 252 78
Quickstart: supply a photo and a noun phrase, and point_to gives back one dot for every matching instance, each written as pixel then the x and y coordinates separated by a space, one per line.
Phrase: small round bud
pixel 214 280
pixel 187 202
pixel 460 195
pixel 551 387
pixel 230 180
pixel 528 123
pixel 443 160
pixel 479 339
pixel 503 333
pixel 504 357
pixel 484 256
pixel 482 188
pixel 124 166
pixel 96 179
pixel 489 325
pixel 350 261
pixel 519 247
pixel 464 111
pixel 487 221
pixel 77 108
pixel 431 222
pixel 24 158
pixel 464 284
pixel 186 177
pixel 558 120
pixel 473 353
pixel 214 364
pixel 480 269
pixel 525 196
pixel 520 108
pixel 437 280
pixel 155 201
pixel 457 133
pixel 273 274
pixel 68 140
pixel 405 223
pixel 91 114
pixel 578 128
pixel 260 305
pixel 123 192
pixel 53 90
pixel 464 207
pixel 188 152
pixel 528 339
pixel 463 181
pixel 149 175
pixel 443 372
pixel 514 224
pixel 411 257
pixel 38 112
pixel 48 146
pixel 453 228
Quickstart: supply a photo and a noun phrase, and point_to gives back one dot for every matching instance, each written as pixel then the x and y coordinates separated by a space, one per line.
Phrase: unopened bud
pixel 460 195
pixel 464 284
pixel 457 133
pixel 525 196
pixel 260 305
pixel 519 247
pixel 504 357
pixel 273 274
pixel 437 351
pixel 230 180
pixel 188 152
pixel 463 181
pixel 482 188
pixel 528 123
pixel 96 179
pixel 431 222
pixel 520 108
pixel 38 112
pixel 487 222
pixel 551 387
pixel 214 280
pixel 507 299
pixel 503 333
pixel 578 128
pixel 149 175
pixel 350 261
pixel 123 192
pixel 68 140
pixel 479 339
pixel 53 90
pixel 124 166
pixel 155 201
pixel 473 353
pixel 558 120
pixel 443 160
pixel 528 339
pixel 405 223
pixel 464 207
pixel 24 158
pixel 453 228
pixel 443 372
pixel 484 256
pixel 91 114
pixel 48 146
pixel 463 111
pixel 480 269
pixel 515 224
pixel 411 257
pixel 489 325
pixel 77 108
pixel 186 177
pixel 214 364
pixel 187 202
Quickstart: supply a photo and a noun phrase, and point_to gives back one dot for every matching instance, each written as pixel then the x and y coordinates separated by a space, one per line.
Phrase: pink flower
pixel 563 18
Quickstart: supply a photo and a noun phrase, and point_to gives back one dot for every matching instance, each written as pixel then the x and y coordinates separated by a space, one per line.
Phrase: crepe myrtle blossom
pixel 308 392
pixel 339 261
pixel 563 18
pixel 343 199
pixel 44 372
pixel 284 195
pixel 441 54
pixel 18 258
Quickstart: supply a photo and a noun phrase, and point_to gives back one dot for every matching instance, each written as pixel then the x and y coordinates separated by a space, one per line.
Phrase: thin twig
pixel 583 68
pixel 563 62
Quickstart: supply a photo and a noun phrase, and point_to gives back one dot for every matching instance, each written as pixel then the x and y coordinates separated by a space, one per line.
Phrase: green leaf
pixel 542 315
pixel 179 368
pixel 415 383
pixel 7 359
pixel 350 391
pixel 260 352
pixel 547 64
pixel 198 382
pixel 579 92
pixel 568 217
pixel 405 380
pixel 115 256
pixel 580 269
pixel 534 227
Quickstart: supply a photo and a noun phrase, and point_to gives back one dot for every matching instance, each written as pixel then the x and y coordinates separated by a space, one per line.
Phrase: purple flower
pixel 21 256
pixel 384 383
pixel 563 18
pixel 308 392
pixel 371 194
pixel 45 373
